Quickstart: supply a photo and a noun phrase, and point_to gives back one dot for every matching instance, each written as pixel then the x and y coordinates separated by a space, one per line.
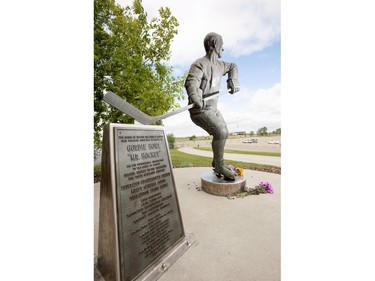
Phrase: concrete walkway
pixel 258 159
pixel 239 239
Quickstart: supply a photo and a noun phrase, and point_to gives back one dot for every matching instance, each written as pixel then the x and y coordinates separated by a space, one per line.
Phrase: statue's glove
pixel 198 101
pixel 232 87
pixel 201 104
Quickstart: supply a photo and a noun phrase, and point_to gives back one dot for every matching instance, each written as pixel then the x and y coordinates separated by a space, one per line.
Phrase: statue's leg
pixel 214 124
pixel 218 144
pixel 213 162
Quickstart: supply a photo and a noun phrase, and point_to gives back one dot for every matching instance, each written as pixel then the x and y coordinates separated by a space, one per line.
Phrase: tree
pixel 130 52
pixel 193 138
pixel 171 140
pixel 276 132
pixel 262 131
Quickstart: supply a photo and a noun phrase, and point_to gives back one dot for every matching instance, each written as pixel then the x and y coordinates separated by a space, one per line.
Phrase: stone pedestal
pixel 212 184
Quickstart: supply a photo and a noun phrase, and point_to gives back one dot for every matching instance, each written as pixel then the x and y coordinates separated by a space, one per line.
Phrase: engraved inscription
pixel 148 212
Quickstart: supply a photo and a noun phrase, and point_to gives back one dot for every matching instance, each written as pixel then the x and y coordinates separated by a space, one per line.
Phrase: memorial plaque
pixel 146 215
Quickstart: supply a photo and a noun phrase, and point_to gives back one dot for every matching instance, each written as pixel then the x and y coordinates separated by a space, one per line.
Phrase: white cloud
pixel 246 26
pixel 248 110
pixel 244 111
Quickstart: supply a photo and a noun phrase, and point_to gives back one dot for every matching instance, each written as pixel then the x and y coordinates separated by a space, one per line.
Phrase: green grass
pixel 262 153
pixel 181 159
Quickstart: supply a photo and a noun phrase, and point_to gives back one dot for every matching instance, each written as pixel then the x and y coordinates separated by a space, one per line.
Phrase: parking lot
pixel 236 143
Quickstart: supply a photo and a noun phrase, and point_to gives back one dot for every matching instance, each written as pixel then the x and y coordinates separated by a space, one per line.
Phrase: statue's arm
pixel 193 85
pixel 233 83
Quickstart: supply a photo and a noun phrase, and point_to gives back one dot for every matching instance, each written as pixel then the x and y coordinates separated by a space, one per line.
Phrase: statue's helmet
pixel 212 41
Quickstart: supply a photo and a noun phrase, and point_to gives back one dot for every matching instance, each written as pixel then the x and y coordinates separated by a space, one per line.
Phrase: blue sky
pixel 251 34
pixel 260 69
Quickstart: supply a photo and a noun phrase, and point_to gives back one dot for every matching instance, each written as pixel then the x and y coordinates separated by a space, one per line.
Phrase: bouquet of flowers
pixel 266 186
pixel 262 187
pixel 239 172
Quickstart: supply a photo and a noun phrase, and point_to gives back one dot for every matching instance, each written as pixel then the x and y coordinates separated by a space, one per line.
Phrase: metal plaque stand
pixel 160 266
pixel 164 263
pixel 141 233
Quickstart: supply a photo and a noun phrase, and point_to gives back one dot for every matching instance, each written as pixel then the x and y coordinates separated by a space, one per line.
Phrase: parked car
pixel 250 141
pixel 273 142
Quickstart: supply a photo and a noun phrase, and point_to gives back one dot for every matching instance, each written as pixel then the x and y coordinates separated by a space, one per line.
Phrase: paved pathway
pixel 267 160
pixel 238 240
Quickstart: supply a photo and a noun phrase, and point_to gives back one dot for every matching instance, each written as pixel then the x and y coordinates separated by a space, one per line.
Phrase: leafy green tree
pixel 193 138
pixel 171 140
pixel 276 132
pixel 262 131
pixel 130 52
pixel 252 133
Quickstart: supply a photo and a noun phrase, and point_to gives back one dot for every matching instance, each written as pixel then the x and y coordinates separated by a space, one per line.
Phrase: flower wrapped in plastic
pixel 239 172
pixel 261 188
pixel 266 186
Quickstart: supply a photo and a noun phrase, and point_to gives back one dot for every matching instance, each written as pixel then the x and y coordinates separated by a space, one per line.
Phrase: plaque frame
pixel 110 260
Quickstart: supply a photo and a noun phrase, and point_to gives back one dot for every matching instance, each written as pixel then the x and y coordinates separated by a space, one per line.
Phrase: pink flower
pixel 267 186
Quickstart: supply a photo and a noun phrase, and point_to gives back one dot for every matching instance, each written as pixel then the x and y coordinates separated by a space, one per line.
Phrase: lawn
pixel 182 160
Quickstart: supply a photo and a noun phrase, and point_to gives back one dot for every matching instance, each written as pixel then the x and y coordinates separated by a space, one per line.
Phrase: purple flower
pixel 267 186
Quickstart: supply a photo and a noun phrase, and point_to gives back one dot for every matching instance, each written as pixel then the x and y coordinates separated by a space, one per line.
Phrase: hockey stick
pixel 141 117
